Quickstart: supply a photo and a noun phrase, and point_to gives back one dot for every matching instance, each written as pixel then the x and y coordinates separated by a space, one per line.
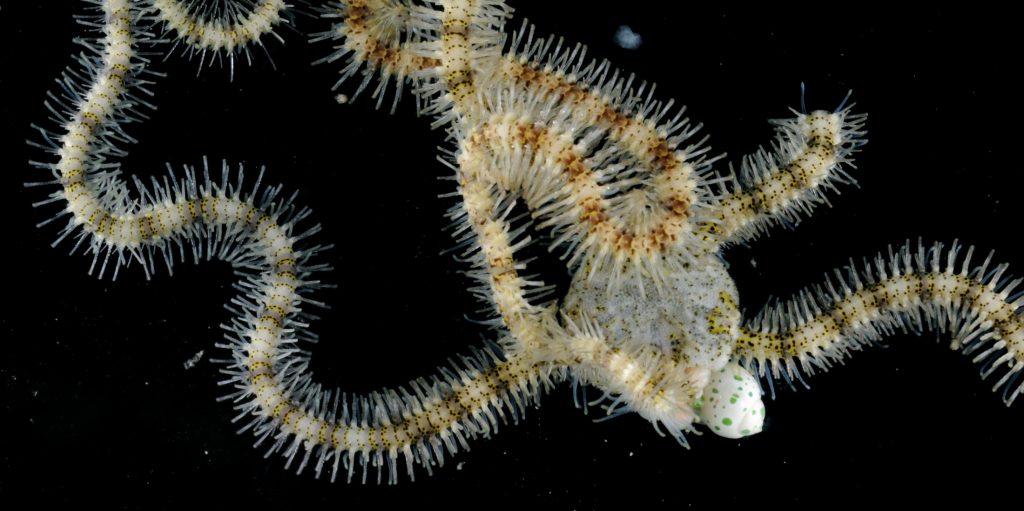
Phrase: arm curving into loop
pixel 254 229
pixel 646 171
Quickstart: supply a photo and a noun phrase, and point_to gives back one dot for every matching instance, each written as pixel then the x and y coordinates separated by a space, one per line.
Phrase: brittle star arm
pixel 255 230
pixel 518 153
pixel 201 28
pixel 377 36
pixel 632 143
pixel 452 50
pixel 808 158
pixel 913 289
pixel 513 145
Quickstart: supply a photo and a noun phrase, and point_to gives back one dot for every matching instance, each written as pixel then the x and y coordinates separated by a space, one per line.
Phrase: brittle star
pixel 618 178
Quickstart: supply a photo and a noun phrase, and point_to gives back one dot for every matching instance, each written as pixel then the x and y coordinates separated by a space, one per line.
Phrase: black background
pixel 95 403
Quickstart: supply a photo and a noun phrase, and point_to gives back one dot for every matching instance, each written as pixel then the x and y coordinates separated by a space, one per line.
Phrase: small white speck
pixel 190 363
pixel 341 99
pixel 626 38
pixel 753 262
pixel 459 466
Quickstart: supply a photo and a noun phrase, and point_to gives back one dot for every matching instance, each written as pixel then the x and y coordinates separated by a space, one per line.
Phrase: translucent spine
pixel 255 231
pixel 377 36
pixel 460 73
pixel 634 378
pixel 590 155
pixel 227 31
pixel 641 149
pixel 809 156
pixel 95 199
pixel 913 289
